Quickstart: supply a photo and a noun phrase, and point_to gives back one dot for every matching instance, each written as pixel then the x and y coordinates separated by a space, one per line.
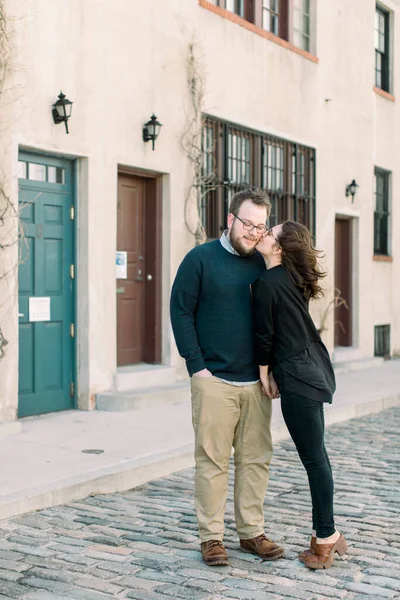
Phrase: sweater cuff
pixel 263 358
pixel 196 365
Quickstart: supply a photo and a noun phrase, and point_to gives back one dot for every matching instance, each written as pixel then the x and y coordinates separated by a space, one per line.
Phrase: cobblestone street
pixel 143 544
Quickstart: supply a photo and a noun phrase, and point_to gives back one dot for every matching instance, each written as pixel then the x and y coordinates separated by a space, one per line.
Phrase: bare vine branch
pixel 336 302
pixel 194 145
pixel 11 230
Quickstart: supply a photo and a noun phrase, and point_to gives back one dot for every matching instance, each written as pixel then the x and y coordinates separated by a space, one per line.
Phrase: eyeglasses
pixel 261 229
pixel 270 232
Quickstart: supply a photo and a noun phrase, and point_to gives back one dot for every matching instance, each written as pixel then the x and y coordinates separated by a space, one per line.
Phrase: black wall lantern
pixel 351 189
pixel 62 110
pixel 151 130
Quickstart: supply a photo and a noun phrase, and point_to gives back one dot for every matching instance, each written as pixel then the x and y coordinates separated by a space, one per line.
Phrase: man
pixel 211 316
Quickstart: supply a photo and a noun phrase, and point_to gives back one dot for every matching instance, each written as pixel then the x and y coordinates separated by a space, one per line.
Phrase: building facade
pixel 296 96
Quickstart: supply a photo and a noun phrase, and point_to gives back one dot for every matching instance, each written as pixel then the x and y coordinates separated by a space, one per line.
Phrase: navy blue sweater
pixel 212 313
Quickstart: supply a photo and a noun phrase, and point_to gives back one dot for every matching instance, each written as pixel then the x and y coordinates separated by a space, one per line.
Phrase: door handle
pixel 149 277
pixel 21 315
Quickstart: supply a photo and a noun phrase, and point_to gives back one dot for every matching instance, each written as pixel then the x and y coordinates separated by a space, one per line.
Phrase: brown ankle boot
pixel 306 553
pixel 214 554
pixel 324 554
pixel 263 547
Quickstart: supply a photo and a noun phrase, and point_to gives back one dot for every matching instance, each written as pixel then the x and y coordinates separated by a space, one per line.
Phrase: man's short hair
pixel 258 196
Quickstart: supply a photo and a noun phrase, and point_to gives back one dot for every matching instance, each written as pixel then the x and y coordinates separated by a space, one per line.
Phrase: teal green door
pixel 46 285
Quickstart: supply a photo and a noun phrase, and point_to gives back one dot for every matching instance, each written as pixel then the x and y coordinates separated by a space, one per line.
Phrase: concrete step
pixel 144 398
pixel 346 353
pixel 344 366
pixel 144 376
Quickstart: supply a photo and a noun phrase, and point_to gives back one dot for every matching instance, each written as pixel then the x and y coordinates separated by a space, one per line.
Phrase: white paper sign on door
pixel 39 309
pixel 121 264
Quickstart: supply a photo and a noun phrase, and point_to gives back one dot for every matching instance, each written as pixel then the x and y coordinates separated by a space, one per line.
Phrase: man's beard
pixel 240 248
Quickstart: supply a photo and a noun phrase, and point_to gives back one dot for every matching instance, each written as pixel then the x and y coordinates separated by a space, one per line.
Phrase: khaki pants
pixel 223 416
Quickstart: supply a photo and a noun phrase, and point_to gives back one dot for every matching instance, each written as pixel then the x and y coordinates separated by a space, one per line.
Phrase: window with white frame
pixel 301 24
pixel 288 19
pixel 275 17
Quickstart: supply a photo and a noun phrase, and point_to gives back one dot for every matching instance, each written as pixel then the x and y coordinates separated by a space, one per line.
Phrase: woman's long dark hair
pixel 300 259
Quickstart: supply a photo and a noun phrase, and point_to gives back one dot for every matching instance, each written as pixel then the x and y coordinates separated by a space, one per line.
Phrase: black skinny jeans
pixel 304 419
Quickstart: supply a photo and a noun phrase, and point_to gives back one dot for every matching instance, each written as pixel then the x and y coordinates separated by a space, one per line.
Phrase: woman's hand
pixel 265 387
pixel 273 386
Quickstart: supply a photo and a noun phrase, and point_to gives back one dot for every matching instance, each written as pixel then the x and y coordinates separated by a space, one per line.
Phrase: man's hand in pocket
pixel 203 373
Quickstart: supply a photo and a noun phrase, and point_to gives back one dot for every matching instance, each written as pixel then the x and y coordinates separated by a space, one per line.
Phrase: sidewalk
pixel 46 464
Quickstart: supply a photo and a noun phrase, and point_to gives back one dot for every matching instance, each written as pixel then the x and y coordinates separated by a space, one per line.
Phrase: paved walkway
pixel 142 544
pixel 46 464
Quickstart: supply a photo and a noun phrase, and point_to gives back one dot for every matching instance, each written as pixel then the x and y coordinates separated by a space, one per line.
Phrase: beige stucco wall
pixel 120 62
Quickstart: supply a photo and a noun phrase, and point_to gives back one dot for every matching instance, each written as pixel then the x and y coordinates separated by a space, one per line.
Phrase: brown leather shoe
pixel 324 554
pixel 263 547
pixel 306 553
pixel 214 554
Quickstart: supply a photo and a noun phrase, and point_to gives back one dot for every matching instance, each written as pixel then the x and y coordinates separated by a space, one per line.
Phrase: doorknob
pixel 149 277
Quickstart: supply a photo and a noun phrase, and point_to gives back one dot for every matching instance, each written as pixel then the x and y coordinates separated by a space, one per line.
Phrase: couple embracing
pixel 239 312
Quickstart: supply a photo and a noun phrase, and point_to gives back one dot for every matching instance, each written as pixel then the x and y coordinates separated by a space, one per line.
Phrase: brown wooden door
pixel 343 281
pixel 130 291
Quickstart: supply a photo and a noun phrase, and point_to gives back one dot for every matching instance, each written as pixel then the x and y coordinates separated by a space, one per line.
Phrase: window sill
pixel 382 258
pixel 384 94
pixel 226 14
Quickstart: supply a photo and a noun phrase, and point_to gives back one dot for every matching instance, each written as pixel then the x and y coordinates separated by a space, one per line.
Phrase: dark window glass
pixel 381 214
pixel 382 49
pixel 382 340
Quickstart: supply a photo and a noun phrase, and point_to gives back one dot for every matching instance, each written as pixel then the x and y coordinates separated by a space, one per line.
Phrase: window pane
pixel 297 19
pixel 56 175
pixel 381 23
pixel 376 37
pixel 230 5
pixel 381 45
pixel 266 20
pixel 22 170
pixel 37 172
pixel 306 24
pixel 297 38
pixel 301 28
pixel 378 79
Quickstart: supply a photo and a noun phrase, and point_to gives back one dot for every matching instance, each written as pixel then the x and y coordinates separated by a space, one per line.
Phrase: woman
pixel 287 341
